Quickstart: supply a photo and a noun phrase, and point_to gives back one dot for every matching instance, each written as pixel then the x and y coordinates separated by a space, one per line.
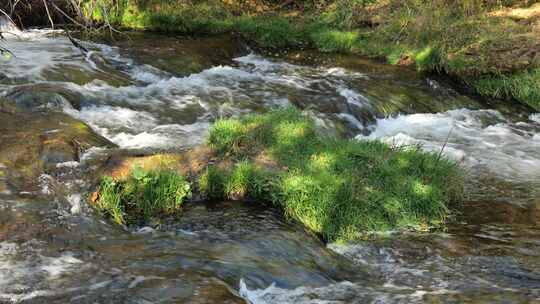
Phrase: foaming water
pixel 18 273
pixel 471 263
pixel 38 51
pixel 140 106
pixel 485 141
pixel 203 255
pixel 535 117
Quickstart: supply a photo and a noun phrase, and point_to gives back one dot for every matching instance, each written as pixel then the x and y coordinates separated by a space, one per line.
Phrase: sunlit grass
pixel 337 188
pixel 142 195
pixel 334 40
pixel 523 86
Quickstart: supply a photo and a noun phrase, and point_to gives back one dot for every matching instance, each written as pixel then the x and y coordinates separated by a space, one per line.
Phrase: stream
pixel 150 93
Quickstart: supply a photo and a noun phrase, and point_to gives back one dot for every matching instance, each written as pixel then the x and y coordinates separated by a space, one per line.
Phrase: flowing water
pixel 151 93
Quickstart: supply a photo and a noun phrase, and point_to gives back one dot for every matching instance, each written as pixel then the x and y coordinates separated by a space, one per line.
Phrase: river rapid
pixel 153 93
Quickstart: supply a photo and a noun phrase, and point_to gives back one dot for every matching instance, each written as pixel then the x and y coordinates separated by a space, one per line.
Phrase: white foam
pixel 46 183
pixel 35 51
pixel 75 201
pixel 111 116
pixel 340 292
pixel 353 97
pixel 164 136
pixel 259 63
pixel 142 140
pixel 147 73
pixel 482 139
pixel 145 230
pixel 352 120
pixel 341 72
pixel 68 164
pixel 535 117
pixel 125 127
pixel 34 265
pixel 57 266
pixel 8 28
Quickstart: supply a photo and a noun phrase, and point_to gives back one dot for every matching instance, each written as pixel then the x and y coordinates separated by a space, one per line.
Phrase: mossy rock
pixel 36 146
pixel 42 97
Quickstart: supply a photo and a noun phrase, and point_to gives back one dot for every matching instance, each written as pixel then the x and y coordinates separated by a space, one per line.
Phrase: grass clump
pixel 142 195
pixel 271 31
pixel 337 188
pixel 206 17
pixel 335 41
pixel 244 181
pixel 523 86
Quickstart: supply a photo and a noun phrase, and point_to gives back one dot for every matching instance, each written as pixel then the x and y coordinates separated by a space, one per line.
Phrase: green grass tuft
pixel 212 183
pixel 523 86
pixel 337 188
pixel 110 200
pixel 270 31
pixel 335 41
pixel 244 181
pixel 142 195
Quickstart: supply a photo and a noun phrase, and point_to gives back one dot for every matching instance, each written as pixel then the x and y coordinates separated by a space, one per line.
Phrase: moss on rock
pixel 45 140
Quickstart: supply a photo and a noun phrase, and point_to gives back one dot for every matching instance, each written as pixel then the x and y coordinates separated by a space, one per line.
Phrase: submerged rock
pixel 181 56
pixel 33 143
pixel 43 97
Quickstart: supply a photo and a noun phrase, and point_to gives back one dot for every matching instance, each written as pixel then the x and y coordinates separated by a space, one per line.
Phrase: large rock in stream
pixel 42 97
pixel 33 143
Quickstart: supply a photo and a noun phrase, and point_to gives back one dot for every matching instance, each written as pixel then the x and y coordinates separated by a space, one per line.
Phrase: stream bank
pixel 490 47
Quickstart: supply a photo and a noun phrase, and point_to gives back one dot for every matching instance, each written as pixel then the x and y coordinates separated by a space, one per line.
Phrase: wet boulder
pixel 32 144
pixel 181 56
pixel 43 97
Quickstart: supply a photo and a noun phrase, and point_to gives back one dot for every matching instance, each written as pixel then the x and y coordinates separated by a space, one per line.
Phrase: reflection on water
pixel 165 95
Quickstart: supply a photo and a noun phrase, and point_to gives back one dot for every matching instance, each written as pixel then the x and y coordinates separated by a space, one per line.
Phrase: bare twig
pixel 76 44
pixel 445 143
pixel 48 13
pixel 7 15
pixel 67 16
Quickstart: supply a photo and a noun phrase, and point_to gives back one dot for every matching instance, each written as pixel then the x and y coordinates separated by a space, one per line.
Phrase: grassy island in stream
pixel 336 188
pixel 493 46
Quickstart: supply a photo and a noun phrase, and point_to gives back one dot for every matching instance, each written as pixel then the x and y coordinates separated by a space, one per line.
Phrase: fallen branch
pixel 76 43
